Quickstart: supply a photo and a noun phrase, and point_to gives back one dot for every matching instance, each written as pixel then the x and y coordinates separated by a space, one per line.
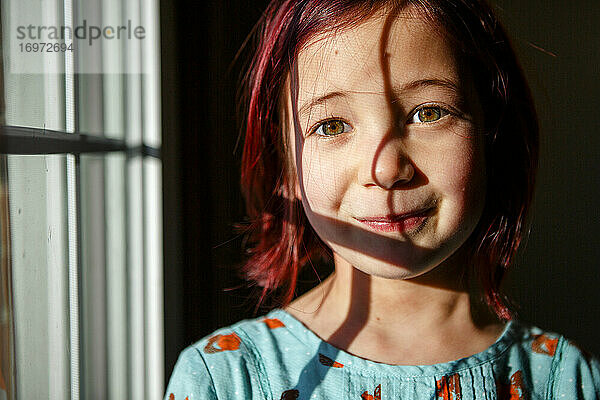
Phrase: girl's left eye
pixel 427 114
pixel 332 127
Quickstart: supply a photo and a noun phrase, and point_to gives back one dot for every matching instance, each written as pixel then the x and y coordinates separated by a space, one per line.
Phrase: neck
pixel 350 305
pixel 418 321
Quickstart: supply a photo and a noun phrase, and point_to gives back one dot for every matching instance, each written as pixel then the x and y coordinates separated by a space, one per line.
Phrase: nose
pixel 389 166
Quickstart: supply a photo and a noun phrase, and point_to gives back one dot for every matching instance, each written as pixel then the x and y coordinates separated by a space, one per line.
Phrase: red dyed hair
pixel 281 238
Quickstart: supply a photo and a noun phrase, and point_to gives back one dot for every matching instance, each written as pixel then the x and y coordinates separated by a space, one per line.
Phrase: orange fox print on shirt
pixel 376 394
pixel 172 397
pixel 219 343
pixel 273 323
pixel 448 388
pixel 515 390
pixel 544 344
pixel 328 362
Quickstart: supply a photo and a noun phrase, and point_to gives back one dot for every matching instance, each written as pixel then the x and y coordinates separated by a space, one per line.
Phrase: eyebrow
pixel 397 90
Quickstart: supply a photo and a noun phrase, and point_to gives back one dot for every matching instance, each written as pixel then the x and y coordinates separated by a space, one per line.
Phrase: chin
pixel 401 269
pixel 391 272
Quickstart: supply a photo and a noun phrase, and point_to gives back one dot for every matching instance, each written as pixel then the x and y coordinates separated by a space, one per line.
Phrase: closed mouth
pixel 398 222
pixel 391 218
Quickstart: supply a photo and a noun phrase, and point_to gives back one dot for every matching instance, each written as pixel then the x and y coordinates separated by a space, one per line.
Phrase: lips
pixel 397 222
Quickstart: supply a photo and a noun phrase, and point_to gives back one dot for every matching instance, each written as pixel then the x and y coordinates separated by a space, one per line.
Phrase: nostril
pixel 387 166
pixel 393 174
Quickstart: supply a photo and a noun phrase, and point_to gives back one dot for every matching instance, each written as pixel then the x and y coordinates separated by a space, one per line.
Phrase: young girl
pixel 400 139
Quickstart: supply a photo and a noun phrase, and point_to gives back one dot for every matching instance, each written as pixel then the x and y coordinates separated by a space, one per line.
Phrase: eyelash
pixel 320 124
pixel 443 111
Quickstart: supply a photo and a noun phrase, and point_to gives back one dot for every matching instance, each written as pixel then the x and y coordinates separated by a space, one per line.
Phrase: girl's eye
pixel 333 127
pixel 428 114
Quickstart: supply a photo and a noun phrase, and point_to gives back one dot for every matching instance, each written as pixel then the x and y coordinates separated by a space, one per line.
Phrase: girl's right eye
pixel 332 127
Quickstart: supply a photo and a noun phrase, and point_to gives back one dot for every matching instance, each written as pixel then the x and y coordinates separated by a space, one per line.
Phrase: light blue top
pixel 277 357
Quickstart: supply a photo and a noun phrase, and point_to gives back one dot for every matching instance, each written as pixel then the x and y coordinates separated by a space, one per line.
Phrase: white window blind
pixel 82 276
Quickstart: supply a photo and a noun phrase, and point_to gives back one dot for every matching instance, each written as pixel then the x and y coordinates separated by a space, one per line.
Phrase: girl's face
pixel 392 174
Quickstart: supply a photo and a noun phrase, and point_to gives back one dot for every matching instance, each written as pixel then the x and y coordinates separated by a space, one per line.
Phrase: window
pixel 80 201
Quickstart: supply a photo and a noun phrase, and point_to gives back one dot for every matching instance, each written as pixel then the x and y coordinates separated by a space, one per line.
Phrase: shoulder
pixel 228 362
pixel 190 377
pixel 576 372
pixel 550 365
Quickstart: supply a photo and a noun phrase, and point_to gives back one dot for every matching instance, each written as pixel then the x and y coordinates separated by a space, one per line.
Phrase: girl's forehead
pixel 384 50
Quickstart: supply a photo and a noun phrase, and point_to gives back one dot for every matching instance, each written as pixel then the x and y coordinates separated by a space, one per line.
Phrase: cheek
pixel 324 179
pixel 462 179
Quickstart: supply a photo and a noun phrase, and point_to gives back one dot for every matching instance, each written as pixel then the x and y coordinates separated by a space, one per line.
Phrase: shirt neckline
pixel 351 362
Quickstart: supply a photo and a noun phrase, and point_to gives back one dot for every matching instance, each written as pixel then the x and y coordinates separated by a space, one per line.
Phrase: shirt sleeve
pixel 190 379
pixel 578 374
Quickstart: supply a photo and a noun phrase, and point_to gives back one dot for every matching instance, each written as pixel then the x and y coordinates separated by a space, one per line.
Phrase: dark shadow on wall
pixel 201 199
pixel 556 281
